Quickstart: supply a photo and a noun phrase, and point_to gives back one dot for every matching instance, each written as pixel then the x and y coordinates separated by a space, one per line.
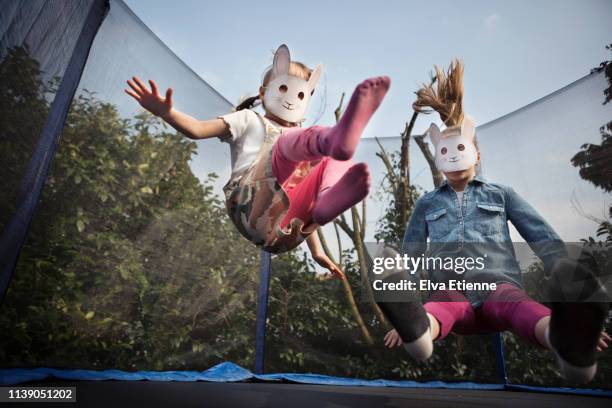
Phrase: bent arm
pixel 194 128
pixel 534 229
pixel 314 245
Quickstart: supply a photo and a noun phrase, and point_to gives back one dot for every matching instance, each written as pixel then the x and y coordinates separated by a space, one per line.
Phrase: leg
pixel 510 308
pixel 294 146
pixel 349 187
pixel 448 310
pixel 406 314
pixel 339 141
pixel 330 188
pixel 303 196
pixel 343 138
pixel 579 309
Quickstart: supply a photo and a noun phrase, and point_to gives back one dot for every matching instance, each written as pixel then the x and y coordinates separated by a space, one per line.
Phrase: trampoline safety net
pixel 131 263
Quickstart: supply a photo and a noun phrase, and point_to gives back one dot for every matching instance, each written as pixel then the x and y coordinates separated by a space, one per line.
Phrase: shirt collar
pixel 477 178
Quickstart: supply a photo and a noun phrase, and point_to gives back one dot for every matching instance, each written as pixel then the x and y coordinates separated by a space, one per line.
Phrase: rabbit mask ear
pixel 313 81
pixel 455 148
pixel 282 60
pixel 287 96
pixel 468 128
pixel 434 134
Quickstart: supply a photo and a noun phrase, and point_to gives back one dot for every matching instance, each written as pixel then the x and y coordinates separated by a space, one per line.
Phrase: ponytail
pixel 248 103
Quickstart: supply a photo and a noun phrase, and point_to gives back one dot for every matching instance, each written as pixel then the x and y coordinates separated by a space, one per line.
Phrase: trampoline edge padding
pixel 229 372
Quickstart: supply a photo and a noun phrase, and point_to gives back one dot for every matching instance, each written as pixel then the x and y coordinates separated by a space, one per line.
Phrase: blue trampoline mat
pixel 229 372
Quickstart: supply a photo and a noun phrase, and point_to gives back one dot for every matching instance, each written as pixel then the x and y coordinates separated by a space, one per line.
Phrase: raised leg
pixel 342 139
pixel 339 141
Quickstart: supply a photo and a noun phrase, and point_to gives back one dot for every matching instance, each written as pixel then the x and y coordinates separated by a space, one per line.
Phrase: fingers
pixel 133 94
pixel 154 90
pixel 602 344
pixel 169 96
pixel 136 88
pixel 141 84
pixel 398 341
pixel 392 339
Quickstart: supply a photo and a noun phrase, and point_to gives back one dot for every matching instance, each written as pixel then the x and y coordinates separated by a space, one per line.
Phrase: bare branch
pixel 338 111
pixel 344 225
pixel 350 298
pixel 340 260
pixel 387 162
pixel 435 173
pixel 359 247
pixel 363 219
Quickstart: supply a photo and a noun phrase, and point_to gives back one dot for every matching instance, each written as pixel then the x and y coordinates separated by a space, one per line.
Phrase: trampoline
pixel 106 240
pixel 184 394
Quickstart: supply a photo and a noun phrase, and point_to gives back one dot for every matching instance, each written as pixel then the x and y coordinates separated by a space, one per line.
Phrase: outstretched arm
pixel 191 127
pixel 319 256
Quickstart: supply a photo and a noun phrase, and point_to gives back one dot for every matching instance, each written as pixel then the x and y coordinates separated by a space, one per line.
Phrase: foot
pixel 576 323
pixel 348 191
pixel 341 141
pixel 408 316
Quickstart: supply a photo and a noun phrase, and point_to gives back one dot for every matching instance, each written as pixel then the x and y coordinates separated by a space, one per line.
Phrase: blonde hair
pixel 447 96
pixel 296 69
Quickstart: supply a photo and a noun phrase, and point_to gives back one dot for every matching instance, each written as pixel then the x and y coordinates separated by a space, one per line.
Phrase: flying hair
pixel 444 96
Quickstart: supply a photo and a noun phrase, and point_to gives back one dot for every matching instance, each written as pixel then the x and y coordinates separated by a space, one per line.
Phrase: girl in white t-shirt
pixel 286 180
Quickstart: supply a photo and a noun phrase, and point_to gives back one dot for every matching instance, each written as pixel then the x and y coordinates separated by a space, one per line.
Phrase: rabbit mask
pixel 287 96
pixel 455 149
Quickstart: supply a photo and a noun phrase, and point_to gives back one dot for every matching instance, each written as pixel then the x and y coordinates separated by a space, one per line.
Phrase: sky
pixel 514 52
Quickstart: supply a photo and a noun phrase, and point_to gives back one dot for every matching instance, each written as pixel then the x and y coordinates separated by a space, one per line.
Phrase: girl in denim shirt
pixel 469 212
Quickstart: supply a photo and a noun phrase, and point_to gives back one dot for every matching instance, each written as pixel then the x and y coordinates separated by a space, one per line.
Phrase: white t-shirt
pixel 459 197
pixel 247 133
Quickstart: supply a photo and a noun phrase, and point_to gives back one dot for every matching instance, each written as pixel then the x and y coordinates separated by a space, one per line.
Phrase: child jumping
pixel 468 210
pixel 286 181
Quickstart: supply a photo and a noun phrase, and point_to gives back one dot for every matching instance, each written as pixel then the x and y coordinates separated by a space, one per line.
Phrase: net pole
pixel 262 311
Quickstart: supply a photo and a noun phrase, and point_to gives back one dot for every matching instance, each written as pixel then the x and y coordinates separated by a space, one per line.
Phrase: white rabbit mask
pixel 455 149
pixel 287 96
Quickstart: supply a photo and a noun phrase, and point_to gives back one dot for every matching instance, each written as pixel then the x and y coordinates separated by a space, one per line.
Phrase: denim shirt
pixel 478 225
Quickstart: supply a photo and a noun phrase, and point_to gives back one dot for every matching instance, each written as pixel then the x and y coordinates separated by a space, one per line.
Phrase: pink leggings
pixel 291 148
pixel 507 308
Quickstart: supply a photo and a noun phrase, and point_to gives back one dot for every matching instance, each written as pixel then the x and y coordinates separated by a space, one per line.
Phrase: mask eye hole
pixel 311 92
pixel 283 88
pixel 301 96
pixel 460 147
pixel 444 150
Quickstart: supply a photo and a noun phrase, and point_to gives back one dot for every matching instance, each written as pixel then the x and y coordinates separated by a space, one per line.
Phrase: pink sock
pixel 341 140
pixel 348 191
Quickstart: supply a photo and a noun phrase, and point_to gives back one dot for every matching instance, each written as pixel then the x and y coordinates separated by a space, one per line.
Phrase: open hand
pixel 150 100
pixel 603 341
pixel 393 339
pixel 327 263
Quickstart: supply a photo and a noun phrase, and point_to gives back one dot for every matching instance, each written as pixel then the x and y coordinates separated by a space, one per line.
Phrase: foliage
pixel 126 262
pixel 391 226
pixel 131 263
